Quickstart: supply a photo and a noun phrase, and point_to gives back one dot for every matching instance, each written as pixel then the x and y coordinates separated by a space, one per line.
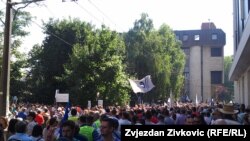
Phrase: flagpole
pixel 141 98
pixel 171 98
pixel 196 100
pixel 138 98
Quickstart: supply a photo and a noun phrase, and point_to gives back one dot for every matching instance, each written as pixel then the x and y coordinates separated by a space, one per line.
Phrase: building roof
pixel 208 25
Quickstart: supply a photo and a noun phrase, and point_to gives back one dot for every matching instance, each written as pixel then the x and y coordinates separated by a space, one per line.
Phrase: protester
pixel 37 133
pixel 20 134
pixel 107 128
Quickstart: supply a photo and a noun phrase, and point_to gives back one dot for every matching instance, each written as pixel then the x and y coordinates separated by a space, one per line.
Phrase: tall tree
pixel 18 60
pixel 80 60
pixel 156 53
pixel 97 68
pixel 49 59
pixel 229 85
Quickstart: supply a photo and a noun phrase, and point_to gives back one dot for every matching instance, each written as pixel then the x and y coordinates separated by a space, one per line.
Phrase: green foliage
pixel 17 81
pixel 35 79
pixel 229 85
pixel 96 67
pixel 49 59
pixel 80 60
pixel 21 20
pixel 77 59
pixel 18 60
pixel 156 53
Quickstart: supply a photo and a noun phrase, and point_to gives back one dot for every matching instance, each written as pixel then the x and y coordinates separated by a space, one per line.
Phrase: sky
pixel 120 15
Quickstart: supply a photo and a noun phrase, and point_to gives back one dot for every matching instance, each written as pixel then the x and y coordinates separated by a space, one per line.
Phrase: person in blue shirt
pixel 22 114
pixel 20 134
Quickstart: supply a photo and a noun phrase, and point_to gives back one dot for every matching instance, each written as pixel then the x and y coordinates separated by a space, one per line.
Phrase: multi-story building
pixel 240 69
pixel 204 60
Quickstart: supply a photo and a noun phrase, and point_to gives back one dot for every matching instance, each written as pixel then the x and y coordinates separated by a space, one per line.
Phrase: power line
pixel 49 10
pixel 88 12
pixel 104 14
pixel 53 34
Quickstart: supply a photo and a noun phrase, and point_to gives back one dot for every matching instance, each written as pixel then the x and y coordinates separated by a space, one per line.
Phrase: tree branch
pixel 16 3
pixel 2 21
pixel 17 10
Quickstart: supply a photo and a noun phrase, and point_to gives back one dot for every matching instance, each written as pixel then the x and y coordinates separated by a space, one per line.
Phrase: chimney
pixel 208 25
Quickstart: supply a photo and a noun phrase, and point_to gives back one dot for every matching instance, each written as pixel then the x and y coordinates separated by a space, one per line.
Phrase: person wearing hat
pixel 228 116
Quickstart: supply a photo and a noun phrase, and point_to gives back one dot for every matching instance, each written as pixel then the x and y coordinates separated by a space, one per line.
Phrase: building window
pixel 216 77
pixel 214 37
pixel 216 52
pixel 186 75
pixel 248 6
pixel 185 37
pixel 196 37
pixel 177 37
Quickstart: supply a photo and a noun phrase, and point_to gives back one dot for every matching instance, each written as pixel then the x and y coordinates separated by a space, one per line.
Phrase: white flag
pixel 142 86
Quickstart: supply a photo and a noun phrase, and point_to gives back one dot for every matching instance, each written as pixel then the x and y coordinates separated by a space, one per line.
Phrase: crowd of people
pixel 36 122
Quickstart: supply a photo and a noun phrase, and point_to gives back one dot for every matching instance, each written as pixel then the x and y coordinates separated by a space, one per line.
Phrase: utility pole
pixel 5 75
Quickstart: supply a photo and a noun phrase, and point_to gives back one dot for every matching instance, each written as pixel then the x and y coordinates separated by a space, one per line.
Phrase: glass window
pixel 185 37
pixel 177 37
pixel 214 37
pixel 216 77
pixel 216 52
pixel 196 37
pixel 186 75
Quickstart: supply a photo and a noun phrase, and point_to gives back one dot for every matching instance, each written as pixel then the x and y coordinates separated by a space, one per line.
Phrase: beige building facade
pixel 240 69
pixel 204 60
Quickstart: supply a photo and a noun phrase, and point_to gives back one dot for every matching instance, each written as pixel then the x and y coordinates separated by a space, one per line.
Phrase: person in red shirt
pixel 39 118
